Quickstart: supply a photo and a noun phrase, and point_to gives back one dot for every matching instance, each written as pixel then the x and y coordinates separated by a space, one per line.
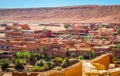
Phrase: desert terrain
pixel 68 14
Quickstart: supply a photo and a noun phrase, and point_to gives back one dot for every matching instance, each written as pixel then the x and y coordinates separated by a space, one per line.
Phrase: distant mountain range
pixel 69 14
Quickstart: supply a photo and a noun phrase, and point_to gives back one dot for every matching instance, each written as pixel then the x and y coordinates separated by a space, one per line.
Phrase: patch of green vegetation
pixel 118 46
pixel 64 62
pixel 59 59
pixel 4 64
pixel 118 31
pixel 80 57
pixel 19 64
pixel 42 65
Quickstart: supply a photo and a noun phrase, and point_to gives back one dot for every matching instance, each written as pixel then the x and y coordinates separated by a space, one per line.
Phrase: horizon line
pixel 62 6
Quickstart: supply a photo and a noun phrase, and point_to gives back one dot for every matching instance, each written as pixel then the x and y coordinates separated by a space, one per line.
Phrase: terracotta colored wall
pixel 105 59
pixel 74 70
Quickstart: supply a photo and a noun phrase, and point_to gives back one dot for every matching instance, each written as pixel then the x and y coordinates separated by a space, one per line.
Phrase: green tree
pixel 66 26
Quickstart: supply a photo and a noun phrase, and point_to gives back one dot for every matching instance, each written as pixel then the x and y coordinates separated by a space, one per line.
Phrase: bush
pixel 4 63
pixel 116 59
pixel 118 31
pixel 73 54
pixel 48 64
pixel 39 68
pixel 80 57
pixel 43 49
pixel 19 67
pixel 91 54
pixel 42 65
pixel 118 46
pixel 27 55
pixel 58 68
pixel 86 37
pixel 47 58
pixel 36 55
pixel 19 64
pixel 19 54
pixel 59 59
pixel 64 63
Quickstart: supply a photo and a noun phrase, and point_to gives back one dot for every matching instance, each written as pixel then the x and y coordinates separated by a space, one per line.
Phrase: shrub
pixel 19 64
pixel 4 64
pixel 118 31
pixel 86 37
pixel 80 57
pixel 38 68
pixel 43 49
pixel 91 54
pixel 19 54
pixel 36 55
pixel 48 64
pixel 66 26
pixel 58 68
pixel 64 63
pixel 73 54
pixel 27 55
pixel 118 46
pixel 47 58
pixel 116 59
pixel 42 65
pixel 59 59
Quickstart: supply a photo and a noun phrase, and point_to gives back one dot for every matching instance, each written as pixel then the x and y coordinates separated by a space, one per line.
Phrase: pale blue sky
pixel 53 3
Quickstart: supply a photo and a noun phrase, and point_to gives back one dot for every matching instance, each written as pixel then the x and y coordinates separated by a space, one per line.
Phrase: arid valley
pixel 81 40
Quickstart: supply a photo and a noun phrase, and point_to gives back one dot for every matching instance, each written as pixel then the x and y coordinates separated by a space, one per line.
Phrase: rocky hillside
pixel 71 14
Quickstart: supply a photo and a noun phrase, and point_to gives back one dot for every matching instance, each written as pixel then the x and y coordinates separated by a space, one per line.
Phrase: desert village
pixel 85 49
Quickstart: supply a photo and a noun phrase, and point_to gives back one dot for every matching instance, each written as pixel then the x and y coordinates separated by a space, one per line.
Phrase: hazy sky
pixel 53 3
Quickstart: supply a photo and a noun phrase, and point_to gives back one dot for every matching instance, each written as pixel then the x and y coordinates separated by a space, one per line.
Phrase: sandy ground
pixel 2 34
pixel 53 28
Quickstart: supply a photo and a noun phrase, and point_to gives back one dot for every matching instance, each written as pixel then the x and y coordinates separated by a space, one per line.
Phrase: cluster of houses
pixel 93 37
